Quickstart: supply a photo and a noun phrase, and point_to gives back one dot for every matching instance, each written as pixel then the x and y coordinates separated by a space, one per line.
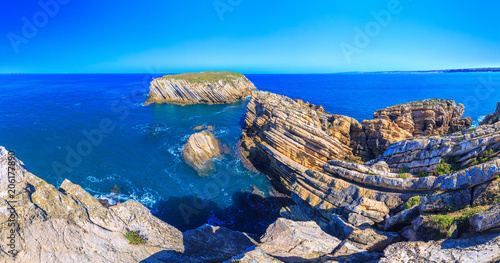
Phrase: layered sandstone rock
pixel 213 87
pixel 412 119
pixel 492 118
pixel 69 225
pixel 199 150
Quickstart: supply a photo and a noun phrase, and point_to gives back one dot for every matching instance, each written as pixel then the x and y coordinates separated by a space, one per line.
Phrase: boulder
pixel 372 209
pixel 488 219
pixel 253 256
pixel 212 87
pixel 402 218
pixel 447 201
pixel 291 241
pixel 199 150
pixel 358 220
pixel 372 240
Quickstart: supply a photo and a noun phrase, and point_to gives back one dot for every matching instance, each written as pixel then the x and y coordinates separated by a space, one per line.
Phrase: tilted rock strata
pixel 69 225
pixel 199 150
pixel 492 117
pixel 204 87
pixel 485 220
pixel 412 119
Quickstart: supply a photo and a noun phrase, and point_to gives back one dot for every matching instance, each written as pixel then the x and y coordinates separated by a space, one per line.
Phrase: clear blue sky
pixel 250 36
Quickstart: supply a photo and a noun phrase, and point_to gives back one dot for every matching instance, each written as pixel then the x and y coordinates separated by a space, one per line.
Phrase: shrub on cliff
pixel 133 237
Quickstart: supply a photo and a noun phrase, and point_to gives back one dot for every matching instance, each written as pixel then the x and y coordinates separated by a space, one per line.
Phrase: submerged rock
pixel 199 150
pixel 212 87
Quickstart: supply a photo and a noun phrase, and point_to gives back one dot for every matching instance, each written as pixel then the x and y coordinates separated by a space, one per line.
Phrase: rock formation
pixel 69 225
pixel 418 118
pixel 199 150
pixel 429 171
pixel 492 118
pixel 213 87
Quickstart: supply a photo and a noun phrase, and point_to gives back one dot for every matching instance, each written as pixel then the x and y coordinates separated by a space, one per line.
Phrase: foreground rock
pixel 289 241
pixel 69 225
pixel 199 150
pixel 486 219
pixel 208 244
pixel 493 117
pixel 212 87
pixel 482 248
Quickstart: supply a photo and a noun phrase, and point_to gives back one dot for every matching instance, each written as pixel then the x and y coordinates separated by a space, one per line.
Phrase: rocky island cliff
pixel 212 87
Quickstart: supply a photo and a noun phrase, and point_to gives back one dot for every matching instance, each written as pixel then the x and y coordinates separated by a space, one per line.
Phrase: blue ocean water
pixel 95 131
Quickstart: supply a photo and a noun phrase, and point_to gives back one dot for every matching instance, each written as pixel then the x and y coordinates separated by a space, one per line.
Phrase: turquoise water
pixel 47 117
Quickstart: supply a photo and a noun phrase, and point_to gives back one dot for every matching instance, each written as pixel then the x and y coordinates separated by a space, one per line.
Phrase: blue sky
pixel 250 36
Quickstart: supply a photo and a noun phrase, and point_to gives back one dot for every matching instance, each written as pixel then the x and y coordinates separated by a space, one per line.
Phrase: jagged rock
pixel 254 256
pixel 213 87
pixel 199 150
pixel 340 228
pixel 382 166
pixel 402 218
pixel 372 209
pixel 493 117
pixel 372 240
pixel 291 241
pixel 428 227
pixel 425 154
pixel 487 193
pixel 209 244
pixel 451 200
pixel 69 225
pixel 408 233
pixel 417 118
pixel 365 257
pixel 481 248
pixel 486 219
pixel 358 220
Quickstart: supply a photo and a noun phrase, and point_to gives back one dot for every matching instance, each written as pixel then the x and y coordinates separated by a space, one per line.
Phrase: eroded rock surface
pixel 69 225
pixel 417 118
pixel 206 87
pixel 199 150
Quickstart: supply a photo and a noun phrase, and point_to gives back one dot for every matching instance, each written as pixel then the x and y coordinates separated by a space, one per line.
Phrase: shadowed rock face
pixel 199 150
pixel 69 225
pixel 493 117
pixel 195 88
pixel 418 118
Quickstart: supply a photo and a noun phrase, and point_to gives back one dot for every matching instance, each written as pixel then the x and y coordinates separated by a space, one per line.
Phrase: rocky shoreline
pixel 414 184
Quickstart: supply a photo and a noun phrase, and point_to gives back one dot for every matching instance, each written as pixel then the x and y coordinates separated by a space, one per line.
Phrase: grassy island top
pixel 210 76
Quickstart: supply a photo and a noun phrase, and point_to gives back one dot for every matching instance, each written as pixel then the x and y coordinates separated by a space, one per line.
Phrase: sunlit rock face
pixel 213 87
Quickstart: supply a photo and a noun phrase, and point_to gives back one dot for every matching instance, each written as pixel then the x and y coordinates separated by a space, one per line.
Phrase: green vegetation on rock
pixel 415 200
pixel 486 156
pixel 133 237
pixel 444 221
pixel 210 76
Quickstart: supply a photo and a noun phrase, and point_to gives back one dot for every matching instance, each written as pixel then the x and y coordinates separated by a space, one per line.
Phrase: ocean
pixel 94 130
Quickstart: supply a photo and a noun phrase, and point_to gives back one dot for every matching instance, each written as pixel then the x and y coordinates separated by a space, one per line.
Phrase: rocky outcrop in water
pixel 199 150
pixel 492 118
pixel 213 87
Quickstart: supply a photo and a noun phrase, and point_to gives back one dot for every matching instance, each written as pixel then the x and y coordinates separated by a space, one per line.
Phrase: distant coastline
pixel 467 70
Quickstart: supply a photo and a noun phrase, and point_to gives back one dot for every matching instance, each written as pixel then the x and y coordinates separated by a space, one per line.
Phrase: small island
pixel 211 87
